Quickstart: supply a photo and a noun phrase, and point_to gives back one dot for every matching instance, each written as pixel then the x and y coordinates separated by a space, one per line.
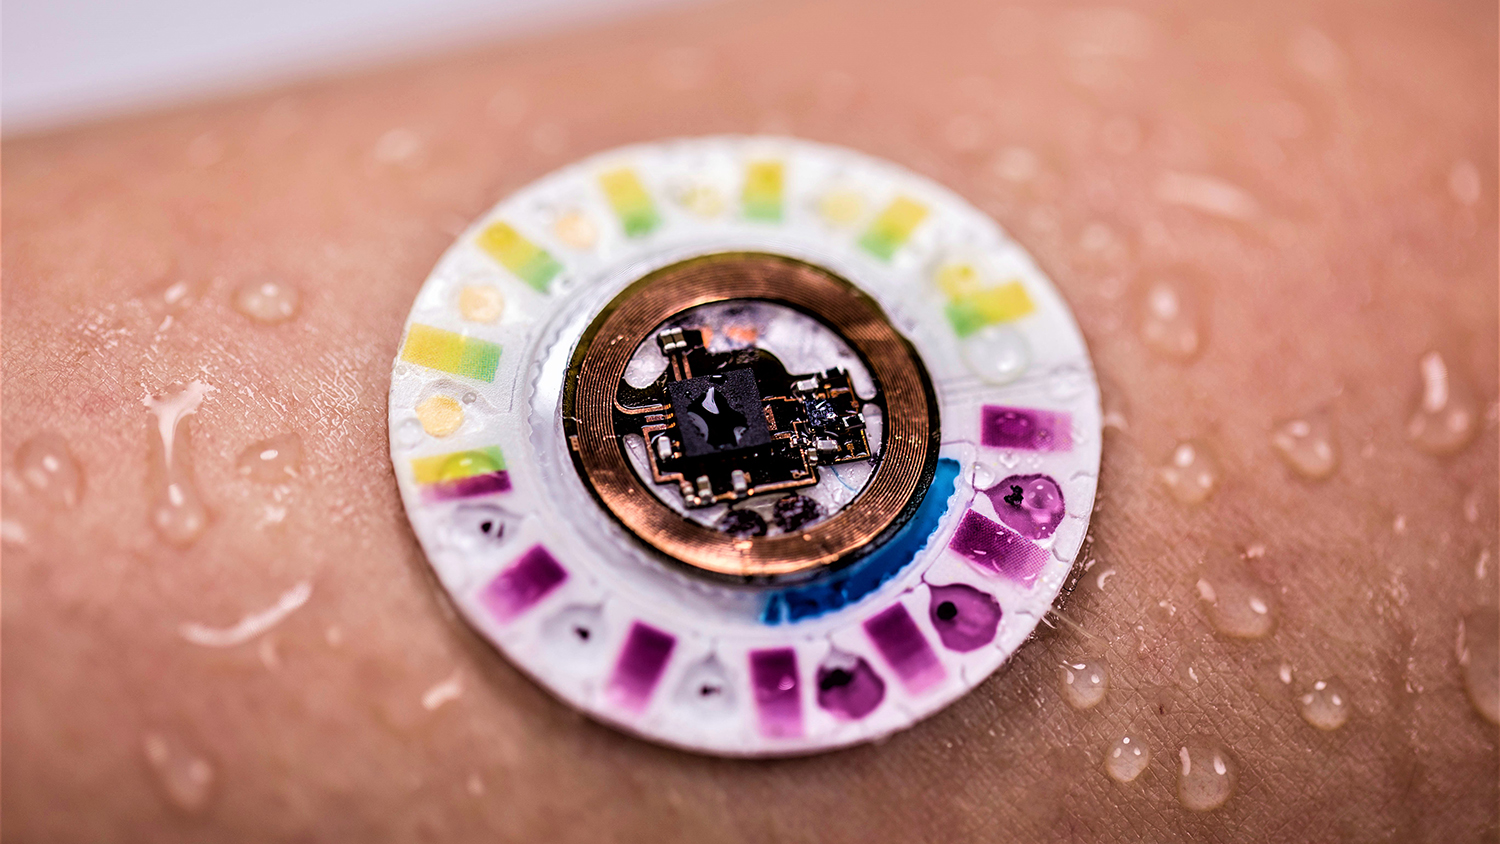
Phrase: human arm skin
pixel 1359 251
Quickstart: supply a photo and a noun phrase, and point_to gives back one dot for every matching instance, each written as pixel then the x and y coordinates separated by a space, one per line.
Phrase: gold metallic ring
pixel 910 441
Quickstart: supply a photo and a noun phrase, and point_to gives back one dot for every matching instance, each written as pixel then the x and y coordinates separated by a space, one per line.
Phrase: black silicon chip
pixel 728 426
pixel 719 413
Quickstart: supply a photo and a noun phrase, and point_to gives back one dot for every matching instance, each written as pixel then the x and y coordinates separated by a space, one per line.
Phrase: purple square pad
pixel 1025 429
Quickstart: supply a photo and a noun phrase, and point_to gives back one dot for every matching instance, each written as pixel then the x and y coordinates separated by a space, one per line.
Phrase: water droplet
pixel 14 532
pixel 1191 473
pixel 444 691
pixel 1464 182
pixel 1190 669
pixel 440 415
pixel 172 296
pixel 1471 505
pixel 1101 250
pixel 1237 605
pixel 1307 446
pixel 251 625
pixel 49 468
pixel 179 516
pixel 480 303
pixel 1031 505
pixel 1084 682
pixel 267 301
pixel 185 777
pixel 177 511
pixel 1206 775
pixel 841 207
pixel 1315 54
pixel 1446 416
pixel 997 353
pixel 1171 319
pixel 409 434
pixel 1126 759
pixel 1068 380
pixel 1326 704
pixel 983 476
pixel 575 229
pixel 272 460
pixel 1479 656
pixel 1207 194
pixel 1114 406
pixel 1015 164
pixel 398 146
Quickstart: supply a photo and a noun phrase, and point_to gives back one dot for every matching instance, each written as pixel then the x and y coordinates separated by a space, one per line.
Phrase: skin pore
pixel 1312 185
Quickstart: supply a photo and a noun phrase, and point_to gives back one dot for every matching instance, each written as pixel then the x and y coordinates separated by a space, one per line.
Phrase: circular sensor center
pixel 751 415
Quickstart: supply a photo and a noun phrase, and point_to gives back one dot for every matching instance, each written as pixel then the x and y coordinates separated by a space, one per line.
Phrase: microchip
pixel 719 413
pixel 820 412
pixel 727 426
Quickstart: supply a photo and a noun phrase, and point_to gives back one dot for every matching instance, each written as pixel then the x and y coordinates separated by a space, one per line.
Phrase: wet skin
pixel 1362 248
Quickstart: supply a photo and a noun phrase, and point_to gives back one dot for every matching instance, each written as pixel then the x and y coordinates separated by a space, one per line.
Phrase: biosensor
pixel 749 446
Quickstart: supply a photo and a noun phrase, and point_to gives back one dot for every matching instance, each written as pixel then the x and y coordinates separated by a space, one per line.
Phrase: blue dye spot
pixel 865 576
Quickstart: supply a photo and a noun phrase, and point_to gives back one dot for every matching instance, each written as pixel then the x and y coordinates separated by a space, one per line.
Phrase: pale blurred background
pixel 74 61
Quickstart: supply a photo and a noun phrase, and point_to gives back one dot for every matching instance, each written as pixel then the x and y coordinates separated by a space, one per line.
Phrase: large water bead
pixel 1031 505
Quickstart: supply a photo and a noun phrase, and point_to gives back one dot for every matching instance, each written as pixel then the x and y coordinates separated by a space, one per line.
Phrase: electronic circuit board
pixel 725 426
pixel 609 336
